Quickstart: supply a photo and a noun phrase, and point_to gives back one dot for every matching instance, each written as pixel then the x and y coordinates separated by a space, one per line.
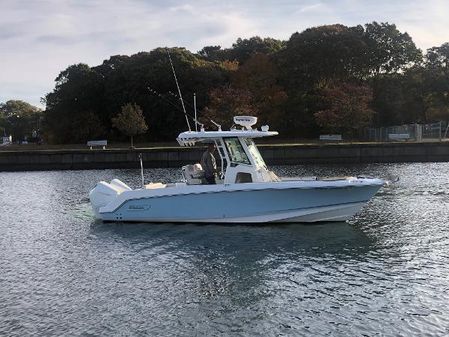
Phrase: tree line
pixel 332 78
pixel 20 120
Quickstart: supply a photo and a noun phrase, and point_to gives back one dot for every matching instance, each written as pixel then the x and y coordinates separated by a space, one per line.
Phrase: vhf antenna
pixel 179 90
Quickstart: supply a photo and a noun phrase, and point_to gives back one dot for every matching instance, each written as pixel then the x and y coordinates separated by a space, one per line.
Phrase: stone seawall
pixel 177 156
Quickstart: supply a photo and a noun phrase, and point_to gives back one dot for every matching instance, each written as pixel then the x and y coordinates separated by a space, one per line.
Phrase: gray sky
pixel 40 38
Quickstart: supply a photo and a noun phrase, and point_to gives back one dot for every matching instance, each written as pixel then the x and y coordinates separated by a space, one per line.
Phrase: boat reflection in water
pixel 246 190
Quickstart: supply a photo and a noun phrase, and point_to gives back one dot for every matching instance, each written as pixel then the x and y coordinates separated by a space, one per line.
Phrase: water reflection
pixel 221 253
pixel 337 238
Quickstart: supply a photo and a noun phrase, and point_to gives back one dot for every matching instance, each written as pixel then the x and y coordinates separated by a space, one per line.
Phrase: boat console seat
pixel 193 174
pixel 153 186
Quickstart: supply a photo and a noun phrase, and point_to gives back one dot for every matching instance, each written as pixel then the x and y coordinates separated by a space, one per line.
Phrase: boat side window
pixel 236 152
pixel 254 152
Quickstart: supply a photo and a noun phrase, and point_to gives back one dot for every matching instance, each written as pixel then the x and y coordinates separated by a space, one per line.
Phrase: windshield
pixel 236 153
pixel 254 152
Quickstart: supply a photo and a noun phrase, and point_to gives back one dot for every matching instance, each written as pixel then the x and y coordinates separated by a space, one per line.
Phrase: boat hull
pixel 280 202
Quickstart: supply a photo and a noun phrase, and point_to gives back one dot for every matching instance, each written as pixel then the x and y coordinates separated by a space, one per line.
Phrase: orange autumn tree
pixel 226 102
pixel 346 108
pixel 259 75
pixel 253 90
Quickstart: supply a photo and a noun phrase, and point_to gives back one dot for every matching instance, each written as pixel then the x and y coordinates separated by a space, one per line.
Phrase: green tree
pixel 338 52
pixel 102 90
pixel 436 82
pixel 146 78
pixel 18 108
pixel 389 50
pixel 322 54
pixel 243 49
pixel 88 126
pixel 20 119
pixel 438 57
pixel 130 121
pixel 311 60
pixel 79 92
pixel 213 53
pixel 389 99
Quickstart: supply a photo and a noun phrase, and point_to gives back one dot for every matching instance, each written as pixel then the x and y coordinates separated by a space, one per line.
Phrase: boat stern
pixel 103 193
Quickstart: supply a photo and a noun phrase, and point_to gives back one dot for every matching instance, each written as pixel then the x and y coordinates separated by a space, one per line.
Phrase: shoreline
pixel 274 154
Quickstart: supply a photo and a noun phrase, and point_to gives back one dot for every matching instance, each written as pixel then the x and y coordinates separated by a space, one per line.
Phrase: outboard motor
pixel 103 193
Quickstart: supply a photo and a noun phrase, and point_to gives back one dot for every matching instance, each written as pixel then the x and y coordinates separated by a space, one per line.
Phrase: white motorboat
pixel 246 191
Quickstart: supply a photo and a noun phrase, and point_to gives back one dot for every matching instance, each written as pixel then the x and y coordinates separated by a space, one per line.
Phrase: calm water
pixel 385 273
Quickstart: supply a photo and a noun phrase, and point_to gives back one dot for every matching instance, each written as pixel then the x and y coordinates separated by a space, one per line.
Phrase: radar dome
pixel 245 121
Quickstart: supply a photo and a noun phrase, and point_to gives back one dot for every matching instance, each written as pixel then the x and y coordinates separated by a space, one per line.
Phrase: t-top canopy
pixel 189 138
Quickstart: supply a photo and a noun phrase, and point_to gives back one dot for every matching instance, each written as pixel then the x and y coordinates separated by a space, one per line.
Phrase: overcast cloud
pixel 40 38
